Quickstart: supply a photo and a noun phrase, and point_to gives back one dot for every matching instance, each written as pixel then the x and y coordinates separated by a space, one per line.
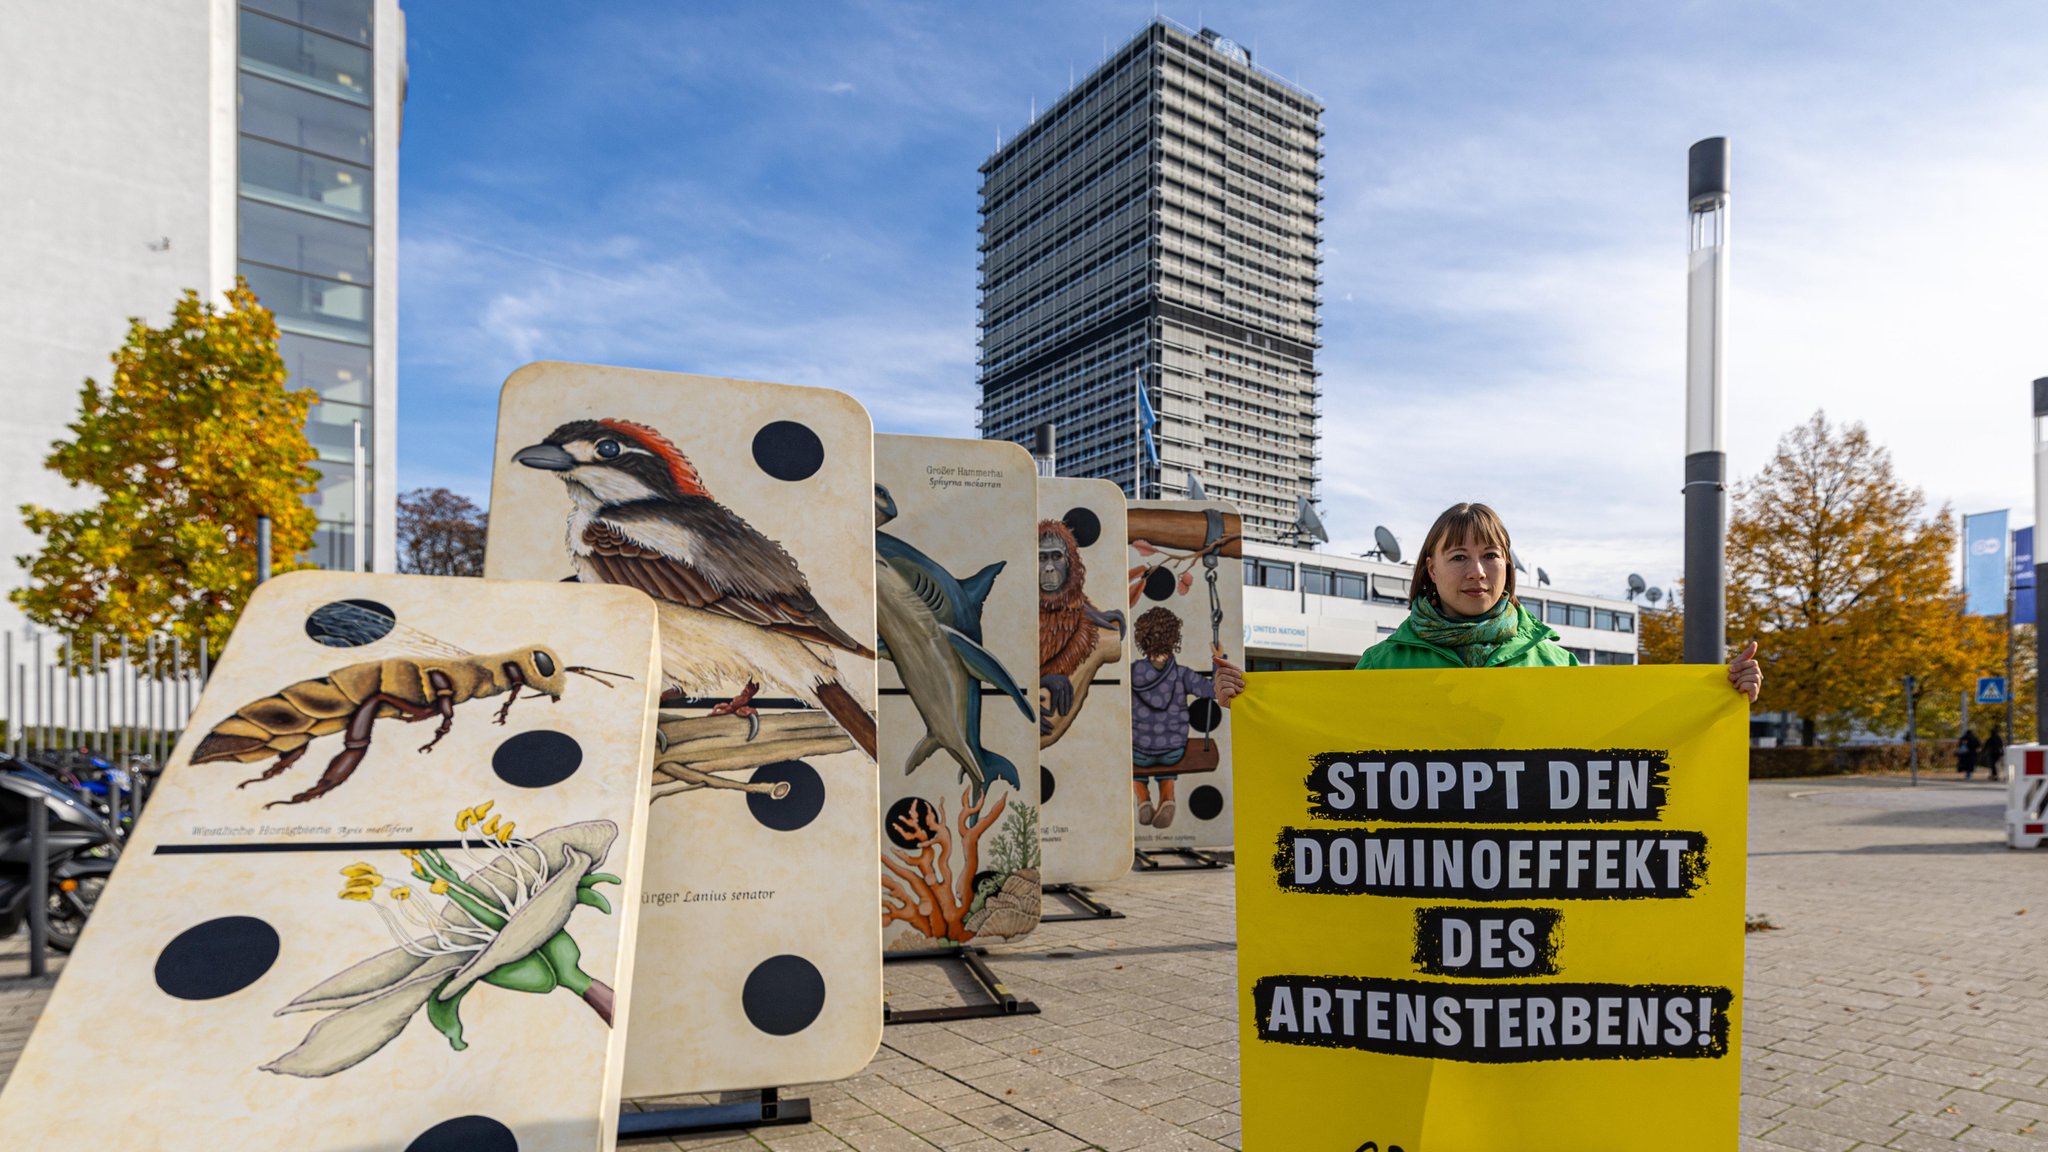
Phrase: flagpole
pixel 1137 436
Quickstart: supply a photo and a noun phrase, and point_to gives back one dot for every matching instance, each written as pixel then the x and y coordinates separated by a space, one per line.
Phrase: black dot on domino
pixel 466 1134
pixel 799 806
pixel 914 812
pixel 218 958
pixel 1045 784
pixel 1084 524
pixel 350 623
pixel 788 450
pixel 1159 584
pixel 1206 802
pixel 537 759
pixel 1204 715
pixel 783 995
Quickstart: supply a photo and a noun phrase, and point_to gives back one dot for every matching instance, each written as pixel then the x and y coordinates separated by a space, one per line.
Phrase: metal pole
pixel 1912 735
pixel 357 501
pixel 2040 568
pixel 7 693
pixel 38 887
pixel 1706 463
pixel 262 549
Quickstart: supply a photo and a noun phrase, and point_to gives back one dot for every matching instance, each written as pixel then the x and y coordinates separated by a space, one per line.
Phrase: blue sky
pixel 788 192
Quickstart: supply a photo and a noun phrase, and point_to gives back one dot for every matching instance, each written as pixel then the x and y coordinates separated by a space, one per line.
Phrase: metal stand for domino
pixel 1001 1002
pixel 1176 860
pixel 1091 908
pixel 769 1109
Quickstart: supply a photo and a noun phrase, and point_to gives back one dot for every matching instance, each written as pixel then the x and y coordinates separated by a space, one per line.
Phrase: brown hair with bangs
pixel 1459 523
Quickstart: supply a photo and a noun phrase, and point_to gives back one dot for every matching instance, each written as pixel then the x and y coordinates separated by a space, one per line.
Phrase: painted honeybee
pixel 351 699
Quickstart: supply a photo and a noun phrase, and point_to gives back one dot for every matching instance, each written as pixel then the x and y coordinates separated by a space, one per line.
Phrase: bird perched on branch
pixel 734 606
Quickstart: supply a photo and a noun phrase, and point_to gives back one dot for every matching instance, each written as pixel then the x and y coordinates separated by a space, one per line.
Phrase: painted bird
pixel 734 606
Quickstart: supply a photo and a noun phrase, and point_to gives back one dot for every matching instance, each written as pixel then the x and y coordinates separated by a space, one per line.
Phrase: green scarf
pixel 1473 640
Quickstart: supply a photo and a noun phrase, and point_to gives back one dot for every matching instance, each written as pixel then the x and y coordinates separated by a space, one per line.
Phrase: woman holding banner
pixel 1462 612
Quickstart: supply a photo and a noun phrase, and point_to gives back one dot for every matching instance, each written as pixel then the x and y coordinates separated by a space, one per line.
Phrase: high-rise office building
pixel 1157 226
pixel 156 147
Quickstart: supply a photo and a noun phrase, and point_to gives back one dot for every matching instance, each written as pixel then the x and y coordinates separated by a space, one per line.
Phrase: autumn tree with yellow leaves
pixel 1836 568
pixel 193 438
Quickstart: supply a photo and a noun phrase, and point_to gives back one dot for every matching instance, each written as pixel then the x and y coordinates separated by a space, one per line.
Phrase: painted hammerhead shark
pixel 930 627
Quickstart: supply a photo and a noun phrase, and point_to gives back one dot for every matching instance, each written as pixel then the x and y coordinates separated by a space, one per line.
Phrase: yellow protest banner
pixel 1491 910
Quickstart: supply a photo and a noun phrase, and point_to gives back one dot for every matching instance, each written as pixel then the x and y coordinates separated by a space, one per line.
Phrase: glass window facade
pixel 349 19
pixel 306 153
pixel 289 178
pixel 279 50
pixel 1571 615
pixel 303 119
pixel 1268 574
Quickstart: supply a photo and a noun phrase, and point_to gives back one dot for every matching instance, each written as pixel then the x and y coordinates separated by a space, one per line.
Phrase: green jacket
pixel 1534 646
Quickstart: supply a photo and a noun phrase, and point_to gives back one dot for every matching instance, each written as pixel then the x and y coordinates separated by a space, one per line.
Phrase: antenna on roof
pixel 1307 523
pixel 1517 558
pixel 1654 595
pixel 1636 587
pixel 1542 577
pixel 1388 547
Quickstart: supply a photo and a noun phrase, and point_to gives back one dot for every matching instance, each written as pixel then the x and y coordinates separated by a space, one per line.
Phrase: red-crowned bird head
pixel 617 461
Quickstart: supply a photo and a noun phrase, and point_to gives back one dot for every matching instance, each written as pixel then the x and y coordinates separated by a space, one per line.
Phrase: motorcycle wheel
pixel 67 919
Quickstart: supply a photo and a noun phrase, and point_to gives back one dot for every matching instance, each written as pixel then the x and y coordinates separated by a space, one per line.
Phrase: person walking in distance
pixel 1993 755
pixel 1462 612
pixel 1966 754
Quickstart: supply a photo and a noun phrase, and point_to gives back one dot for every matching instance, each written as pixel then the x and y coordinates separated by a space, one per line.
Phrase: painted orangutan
pixel 1067 622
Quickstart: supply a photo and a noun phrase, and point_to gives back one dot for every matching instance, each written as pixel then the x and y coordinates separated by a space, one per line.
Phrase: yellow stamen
pixel 505 833
pixel 491 829
pixel 484 809
pixel 355 894
pixel 359 870
pixel 364 883
pixel 440 887
pixel 401 893
pixel 464 819
pixel 409 853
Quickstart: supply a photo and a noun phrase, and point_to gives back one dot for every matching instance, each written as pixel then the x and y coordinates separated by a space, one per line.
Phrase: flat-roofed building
pixel 155 147
pixel 1310 610
pixel 1159 224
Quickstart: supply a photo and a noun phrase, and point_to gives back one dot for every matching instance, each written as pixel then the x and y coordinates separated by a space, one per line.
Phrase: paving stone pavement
pixel 1900 1003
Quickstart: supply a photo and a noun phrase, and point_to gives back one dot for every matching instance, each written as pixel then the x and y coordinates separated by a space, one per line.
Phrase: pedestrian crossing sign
pixel 1991 690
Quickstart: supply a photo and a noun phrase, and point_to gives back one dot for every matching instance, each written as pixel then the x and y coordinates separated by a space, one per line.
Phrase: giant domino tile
pixel 1085 788
pixel 957 604
pixel 1187 557
pixel 430 951
pixel 760 945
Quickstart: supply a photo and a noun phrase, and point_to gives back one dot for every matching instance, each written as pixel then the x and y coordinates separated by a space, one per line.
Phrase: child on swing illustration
pixel 1161 688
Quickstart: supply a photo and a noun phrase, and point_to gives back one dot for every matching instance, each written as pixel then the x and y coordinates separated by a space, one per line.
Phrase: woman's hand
pixel 1229 679
pixel 1744 673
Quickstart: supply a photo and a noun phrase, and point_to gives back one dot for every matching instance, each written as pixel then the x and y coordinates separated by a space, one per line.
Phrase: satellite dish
pixel 1307 522
pixel 1388 546
pixel 1517 558
pixel 1542 577
pixel 1655 594
pixel 1195 491
pixel 1636 587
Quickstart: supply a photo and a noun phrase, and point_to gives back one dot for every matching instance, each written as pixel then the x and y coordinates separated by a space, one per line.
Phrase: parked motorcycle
pixel 81 850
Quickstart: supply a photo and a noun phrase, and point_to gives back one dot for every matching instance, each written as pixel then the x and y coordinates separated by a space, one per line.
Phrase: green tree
pixel 194 437
pixel 1836 568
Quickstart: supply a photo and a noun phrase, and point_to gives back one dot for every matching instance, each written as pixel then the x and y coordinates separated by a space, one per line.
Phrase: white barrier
pixel 2026 775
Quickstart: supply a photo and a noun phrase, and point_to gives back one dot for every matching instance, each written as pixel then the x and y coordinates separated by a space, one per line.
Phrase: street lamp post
pixel 2040 569
pixel 1706 462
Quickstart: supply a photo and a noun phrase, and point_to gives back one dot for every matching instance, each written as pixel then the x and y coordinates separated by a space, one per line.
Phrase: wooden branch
pixel 696 747
pixel 1108 646
pixel 1186 529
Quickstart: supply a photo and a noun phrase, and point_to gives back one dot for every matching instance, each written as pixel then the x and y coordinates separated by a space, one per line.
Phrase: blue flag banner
pixel 1984 564
pixel 1147 420
pixel 2023 576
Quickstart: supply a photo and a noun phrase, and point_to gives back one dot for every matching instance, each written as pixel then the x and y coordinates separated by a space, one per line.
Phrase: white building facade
pixel 153 147
pixel 1317 610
